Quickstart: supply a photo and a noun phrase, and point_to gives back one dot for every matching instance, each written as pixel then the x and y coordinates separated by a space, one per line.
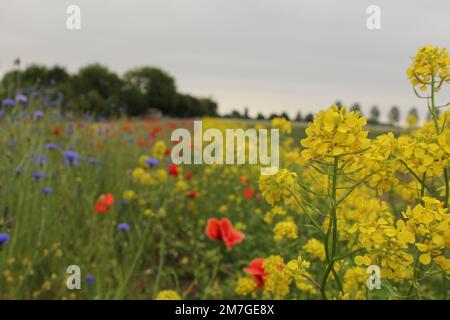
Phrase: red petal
pixel 213 229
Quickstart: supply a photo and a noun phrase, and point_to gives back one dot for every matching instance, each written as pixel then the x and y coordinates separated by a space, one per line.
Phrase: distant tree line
pixel 393 117
pixel 95 89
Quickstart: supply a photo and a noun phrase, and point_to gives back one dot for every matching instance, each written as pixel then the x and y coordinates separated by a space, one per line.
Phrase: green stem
pixel 333 228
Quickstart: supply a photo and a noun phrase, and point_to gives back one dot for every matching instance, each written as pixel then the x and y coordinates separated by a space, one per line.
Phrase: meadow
pixel 104 195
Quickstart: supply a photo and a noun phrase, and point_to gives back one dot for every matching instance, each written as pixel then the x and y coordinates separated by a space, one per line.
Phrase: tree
pixel 356 108
pixel 374 115
pixel 298 117
pixel 394 115
pixel 309 118
pixel 260 116
pixel 413 117
pixel 96 77
pixel 246 116
pixel 95 88
pixel 284 115
pixel 190 106
pixel 339 104
pixel 156 86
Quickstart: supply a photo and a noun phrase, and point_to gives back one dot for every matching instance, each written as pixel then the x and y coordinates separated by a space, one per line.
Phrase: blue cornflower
pixel 2 113
pixel 51 146
pixel 123 227
pixel 38 114
pixel 151 162
pixel 4 238
pixel 47 190
pixel 38 175
pixel 41 159
pixel 90 279
pixel 8 102
pixel 20 98
pixel 71 158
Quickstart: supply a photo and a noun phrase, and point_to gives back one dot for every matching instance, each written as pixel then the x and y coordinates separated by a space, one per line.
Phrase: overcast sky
pixel 269 55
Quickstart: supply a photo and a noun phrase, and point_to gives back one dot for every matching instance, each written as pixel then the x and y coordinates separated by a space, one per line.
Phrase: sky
pixel 267 55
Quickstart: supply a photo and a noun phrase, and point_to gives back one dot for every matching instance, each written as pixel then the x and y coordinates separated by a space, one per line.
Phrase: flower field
pixel 105 196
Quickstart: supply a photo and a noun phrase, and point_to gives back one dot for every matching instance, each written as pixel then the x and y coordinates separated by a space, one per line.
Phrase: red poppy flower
pixel 256 269
pixel 173 170
pixel 223 230
pixel 171 125
pixel 192 194
pixel 104 203
pixel 188 175
pixel 57 131
pixel 155 131
pixel 248 193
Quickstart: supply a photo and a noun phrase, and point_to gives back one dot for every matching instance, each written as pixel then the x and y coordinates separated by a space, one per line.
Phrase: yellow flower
pixel 245 286
pixel 429 64
pixel 277 282
pixel 278 187
pixel 315 248
pixel 282 124
pixel 285 229
pixel 167 295
pixel 275 211
pixel 333 133
pixel 129 195
pixel 159 150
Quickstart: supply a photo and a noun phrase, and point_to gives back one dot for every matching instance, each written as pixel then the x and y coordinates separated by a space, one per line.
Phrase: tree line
pixel 97 90
pixel 393 116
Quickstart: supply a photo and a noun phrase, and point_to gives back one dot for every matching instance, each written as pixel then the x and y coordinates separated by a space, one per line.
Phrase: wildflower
pixel 40 159
pixel 90 279
pixel 8 102
pixel 335 132
pixel 151 162
pixel 429 64
pixel 192 194
pixel 71 158
pixel 129 195
pixel 275 211
pixel 123 227
pixel 256 270
pixel 104 203
pixel 282 124
pixel 315 248
pixel 4 238
pixel 22 99
pixel 167 295
pixel 223 230
pixel 285 229
pixel 245 286
pixel 51 146
pixel 57 131
pixel 277 282
pixel 298 266
pixel 278 187
pixel 172 169
pixel 38 114
pixel 248 193
pixel 188 175
pixel 38 175
pixel 47 190
pixel 159 150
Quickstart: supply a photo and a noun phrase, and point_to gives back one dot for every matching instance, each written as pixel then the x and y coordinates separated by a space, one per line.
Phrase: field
pixel 350 204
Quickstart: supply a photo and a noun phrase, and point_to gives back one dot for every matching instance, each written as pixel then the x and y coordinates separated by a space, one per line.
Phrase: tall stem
pixel 333 229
